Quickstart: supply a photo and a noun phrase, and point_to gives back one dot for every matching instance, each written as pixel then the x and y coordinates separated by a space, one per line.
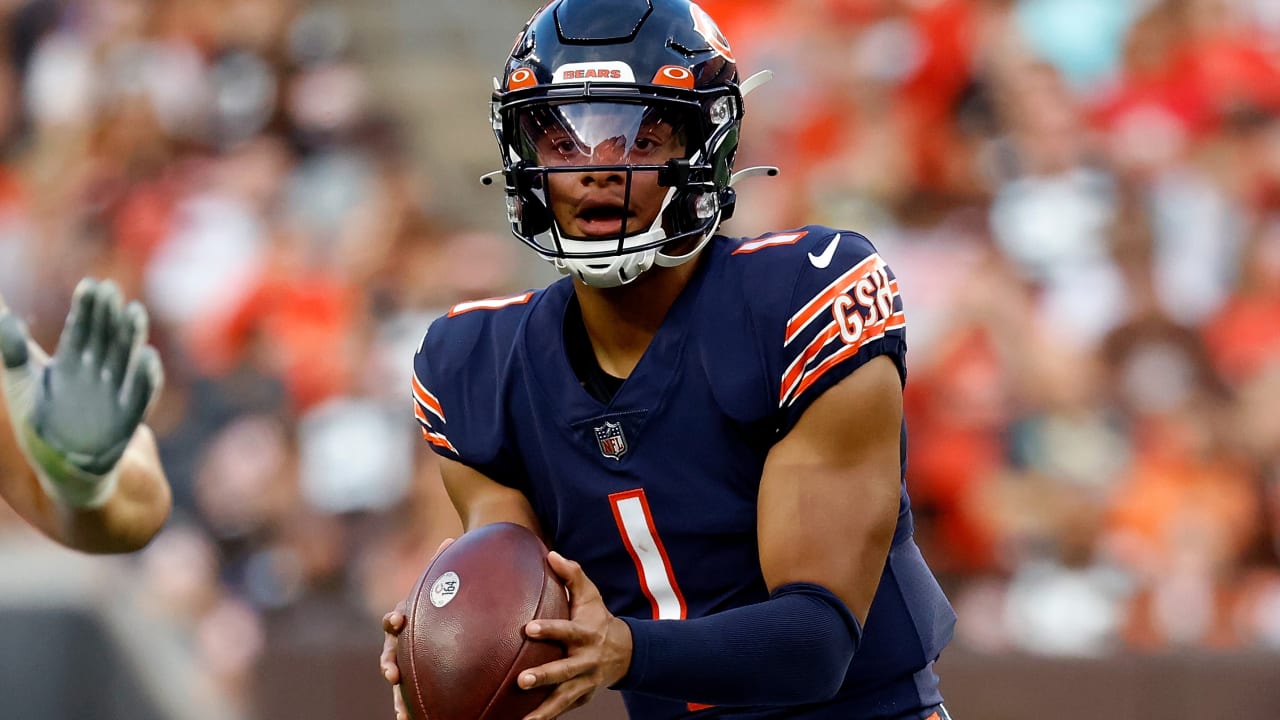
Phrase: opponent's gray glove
pixel 75 413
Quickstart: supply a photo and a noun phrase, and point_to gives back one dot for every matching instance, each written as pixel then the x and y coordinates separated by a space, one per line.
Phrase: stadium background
pixel 1081 198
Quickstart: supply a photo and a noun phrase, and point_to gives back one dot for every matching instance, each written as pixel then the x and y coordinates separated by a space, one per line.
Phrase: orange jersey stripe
pixel 794 327
pixel 429 401
pixel 772 241
pixel 489 304
pixel 791 377
pixel 439 441
pixel 422 417
pixel 814 307
pixel 796 370
pixel 894 322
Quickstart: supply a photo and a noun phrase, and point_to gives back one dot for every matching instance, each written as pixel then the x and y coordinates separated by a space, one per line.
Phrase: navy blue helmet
pixel 636 88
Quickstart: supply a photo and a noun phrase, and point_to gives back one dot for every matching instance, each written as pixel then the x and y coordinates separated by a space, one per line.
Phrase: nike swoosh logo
pixel 822 261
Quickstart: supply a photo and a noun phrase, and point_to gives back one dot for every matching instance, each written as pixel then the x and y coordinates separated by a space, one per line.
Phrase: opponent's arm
pixel 75 460
pixel 124 523
pixel 828 507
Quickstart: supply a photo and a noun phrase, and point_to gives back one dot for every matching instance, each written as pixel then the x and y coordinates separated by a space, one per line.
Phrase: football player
pixel 710 428
pixel 75 459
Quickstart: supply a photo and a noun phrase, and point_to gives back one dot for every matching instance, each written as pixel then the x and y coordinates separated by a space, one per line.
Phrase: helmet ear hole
pixel 690 211
pixel 728 203
pixel 534 217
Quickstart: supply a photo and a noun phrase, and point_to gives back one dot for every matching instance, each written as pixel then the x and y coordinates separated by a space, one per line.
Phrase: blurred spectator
pixel 227 161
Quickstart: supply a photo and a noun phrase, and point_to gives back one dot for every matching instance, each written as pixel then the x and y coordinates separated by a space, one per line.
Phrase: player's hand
pixel 75 413
pixel 599 646
pixel 392 625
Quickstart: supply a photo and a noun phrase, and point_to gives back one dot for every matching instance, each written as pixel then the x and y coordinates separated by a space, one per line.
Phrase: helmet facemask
pixel 608 182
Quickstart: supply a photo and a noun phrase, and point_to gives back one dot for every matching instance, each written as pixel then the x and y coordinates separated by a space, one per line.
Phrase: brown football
pixel 463 643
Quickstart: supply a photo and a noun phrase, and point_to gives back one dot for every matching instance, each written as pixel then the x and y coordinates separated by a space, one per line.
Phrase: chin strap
pixel 664 260
pixel 618 270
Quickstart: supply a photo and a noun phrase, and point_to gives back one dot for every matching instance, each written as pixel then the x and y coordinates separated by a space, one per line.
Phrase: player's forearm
pixel 488 513
pixel 481 500
pixel 131 516
pixel 793 648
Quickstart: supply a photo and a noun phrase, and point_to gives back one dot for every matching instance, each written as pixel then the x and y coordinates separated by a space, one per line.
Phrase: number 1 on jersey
pixel 657 579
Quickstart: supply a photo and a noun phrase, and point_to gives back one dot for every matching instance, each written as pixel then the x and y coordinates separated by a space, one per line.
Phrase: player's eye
pixel 649 145
pixel 564 146
pixel 557 148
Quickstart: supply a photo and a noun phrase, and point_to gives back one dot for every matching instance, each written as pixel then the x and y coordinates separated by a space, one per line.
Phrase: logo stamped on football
pixel 445 589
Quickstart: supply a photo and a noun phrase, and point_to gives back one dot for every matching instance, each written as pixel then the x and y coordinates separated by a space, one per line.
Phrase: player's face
pixel 596 195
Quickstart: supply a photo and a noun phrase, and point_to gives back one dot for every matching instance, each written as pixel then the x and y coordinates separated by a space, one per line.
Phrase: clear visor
pixel 602 133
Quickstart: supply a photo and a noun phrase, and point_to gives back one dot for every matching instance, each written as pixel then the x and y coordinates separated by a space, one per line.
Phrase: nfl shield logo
pixel 612 442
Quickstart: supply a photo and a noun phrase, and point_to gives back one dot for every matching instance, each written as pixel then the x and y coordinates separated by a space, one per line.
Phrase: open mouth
pixel 604 219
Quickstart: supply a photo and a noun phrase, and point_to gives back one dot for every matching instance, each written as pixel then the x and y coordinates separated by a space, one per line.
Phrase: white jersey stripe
pixel 754 245
pixel 489 304
pixel 652 565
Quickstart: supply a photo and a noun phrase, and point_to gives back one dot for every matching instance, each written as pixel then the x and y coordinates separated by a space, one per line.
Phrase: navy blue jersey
pixel 654 493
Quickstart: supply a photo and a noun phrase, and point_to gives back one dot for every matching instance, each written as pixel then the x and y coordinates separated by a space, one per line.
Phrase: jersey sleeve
pixel 457 394
pixel 427 408
pixel 834 306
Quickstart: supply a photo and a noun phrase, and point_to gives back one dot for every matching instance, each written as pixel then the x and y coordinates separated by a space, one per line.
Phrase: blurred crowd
pixel 1081 199
pixel 227 162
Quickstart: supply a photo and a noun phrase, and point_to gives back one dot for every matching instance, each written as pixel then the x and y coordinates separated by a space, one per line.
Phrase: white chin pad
pixel 607 272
